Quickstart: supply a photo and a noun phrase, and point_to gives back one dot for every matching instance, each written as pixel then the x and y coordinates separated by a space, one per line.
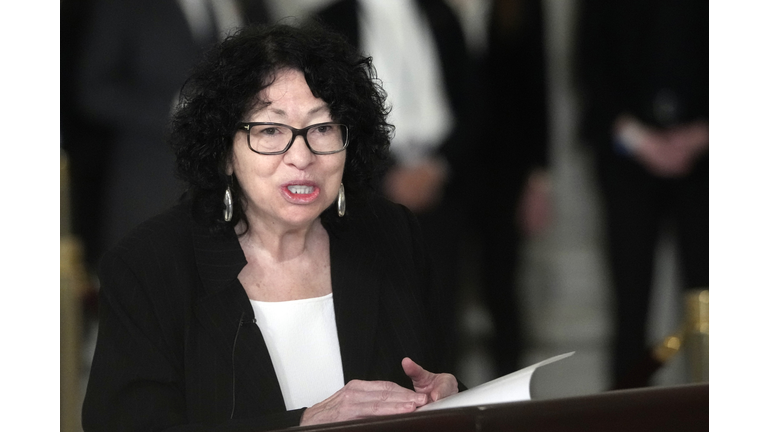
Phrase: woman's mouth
pixel 301 193
pixel 301 190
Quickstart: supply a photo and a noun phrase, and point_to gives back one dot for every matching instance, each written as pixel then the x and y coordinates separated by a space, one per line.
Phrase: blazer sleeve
pixel 137 375
pixel 134 383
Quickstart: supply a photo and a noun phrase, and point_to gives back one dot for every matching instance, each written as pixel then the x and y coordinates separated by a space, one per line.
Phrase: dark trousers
pixel 637 205
pixel 500 243
pixel 442 227
pixel 494 203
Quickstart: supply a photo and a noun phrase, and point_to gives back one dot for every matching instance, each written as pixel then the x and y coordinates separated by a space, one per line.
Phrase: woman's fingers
pixel 416 373
pixel 444 386
pixel 436 386
pixel 372 391
pixel 360 399
pixel 376 386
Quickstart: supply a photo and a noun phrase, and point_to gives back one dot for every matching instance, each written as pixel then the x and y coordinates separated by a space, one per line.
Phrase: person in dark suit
pixel 281 291
pixel 512 199
pixel 645 80
pixel 121 79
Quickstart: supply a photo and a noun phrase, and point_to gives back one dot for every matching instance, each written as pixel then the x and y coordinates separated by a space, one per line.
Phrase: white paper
pixel 509 388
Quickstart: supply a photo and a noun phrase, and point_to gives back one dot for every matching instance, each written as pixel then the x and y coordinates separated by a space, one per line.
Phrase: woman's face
pixel 292 189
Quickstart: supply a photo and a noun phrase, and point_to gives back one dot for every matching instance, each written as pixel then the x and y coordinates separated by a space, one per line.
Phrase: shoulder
pixel 378 212
pixel 163 233
pixel 389 228
pixel 152 273
pixel 159 245
pixel 375 220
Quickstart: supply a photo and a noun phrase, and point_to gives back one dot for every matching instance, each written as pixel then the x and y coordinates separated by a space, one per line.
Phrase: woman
pixel 281 291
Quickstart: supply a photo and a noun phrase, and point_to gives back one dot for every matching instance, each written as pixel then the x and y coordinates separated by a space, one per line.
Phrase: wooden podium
pixel 679 408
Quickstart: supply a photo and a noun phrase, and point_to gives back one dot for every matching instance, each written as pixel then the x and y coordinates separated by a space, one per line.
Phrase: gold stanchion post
pixel 697 344
pixel 73 282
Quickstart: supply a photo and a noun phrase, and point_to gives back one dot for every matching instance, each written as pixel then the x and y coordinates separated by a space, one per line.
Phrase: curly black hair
pixel 225 87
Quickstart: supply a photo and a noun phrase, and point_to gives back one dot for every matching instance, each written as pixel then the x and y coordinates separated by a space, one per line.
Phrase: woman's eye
pixel 324 129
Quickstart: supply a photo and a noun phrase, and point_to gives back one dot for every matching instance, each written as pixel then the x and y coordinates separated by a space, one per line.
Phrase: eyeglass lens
pixel 275 138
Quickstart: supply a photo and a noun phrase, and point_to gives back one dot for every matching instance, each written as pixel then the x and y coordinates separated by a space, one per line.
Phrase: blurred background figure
pixel 511 198
pixel 123 63
pixel 645 82
pixel 420 55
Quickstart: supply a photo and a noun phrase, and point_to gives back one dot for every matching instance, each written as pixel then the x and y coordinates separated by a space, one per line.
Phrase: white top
pixel 397 35
pixel 304 347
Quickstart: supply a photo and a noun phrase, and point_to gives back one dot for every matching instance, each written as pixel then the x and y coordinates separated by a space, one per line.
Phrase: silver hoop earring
pixel 341 201
pixel 227 205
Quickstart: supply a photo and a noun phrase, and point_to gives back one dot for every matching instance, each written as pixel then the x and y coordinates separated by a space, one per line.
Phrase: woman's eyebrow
pixel 282 113
pixel 315 110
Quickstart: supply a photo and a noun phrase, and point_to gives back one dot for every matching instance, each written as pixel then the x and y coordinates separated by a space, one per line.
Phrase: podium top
pixel 678 408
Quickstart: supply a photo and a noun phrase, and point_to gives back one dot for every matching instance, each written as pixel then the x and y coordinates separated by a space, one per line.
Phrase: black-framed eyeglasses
pixel 269 138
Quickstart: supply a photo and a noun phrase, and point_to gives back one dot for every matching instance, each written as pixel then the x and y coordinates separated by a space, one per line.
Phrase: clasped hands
pixel 666 153
pixel 359 399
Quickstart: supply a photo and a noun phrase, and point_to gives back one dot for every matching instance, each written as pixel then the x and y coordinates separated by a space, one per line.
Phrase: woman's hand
pixel 360 399
pixel 435 386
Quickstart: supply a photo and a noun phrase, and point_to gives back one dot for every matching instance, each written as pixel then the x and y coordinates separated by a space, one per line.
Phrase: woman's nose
pixel 299 154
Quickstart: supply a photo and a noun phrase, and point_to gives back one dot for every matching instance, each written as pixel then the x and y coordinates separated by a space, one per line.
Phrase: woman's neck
pixel 280 243
pixel 287 264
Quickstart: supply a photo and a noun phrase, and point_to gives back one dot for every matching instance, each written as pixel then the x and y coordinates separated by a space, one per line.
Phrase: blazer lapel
pixel 224 310
pixel 356 286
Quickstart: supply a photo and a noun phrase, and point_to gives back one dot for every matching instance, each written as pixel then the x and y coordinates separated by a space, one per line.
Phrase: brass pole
pixel 72 284
pixel 697 344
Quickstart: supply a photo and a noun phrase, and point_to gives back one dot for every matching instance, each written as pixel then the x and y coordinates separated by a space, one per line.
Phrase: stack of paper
pixel 509 388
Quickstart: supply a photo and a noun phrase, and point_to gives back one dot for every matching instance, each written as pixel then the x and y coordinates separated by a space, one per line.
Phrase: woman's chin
pixel 299 216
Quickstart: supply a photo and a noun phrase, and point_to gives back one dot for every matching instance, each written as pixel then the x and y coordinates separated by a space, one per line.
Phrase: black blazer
pixel 178 345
